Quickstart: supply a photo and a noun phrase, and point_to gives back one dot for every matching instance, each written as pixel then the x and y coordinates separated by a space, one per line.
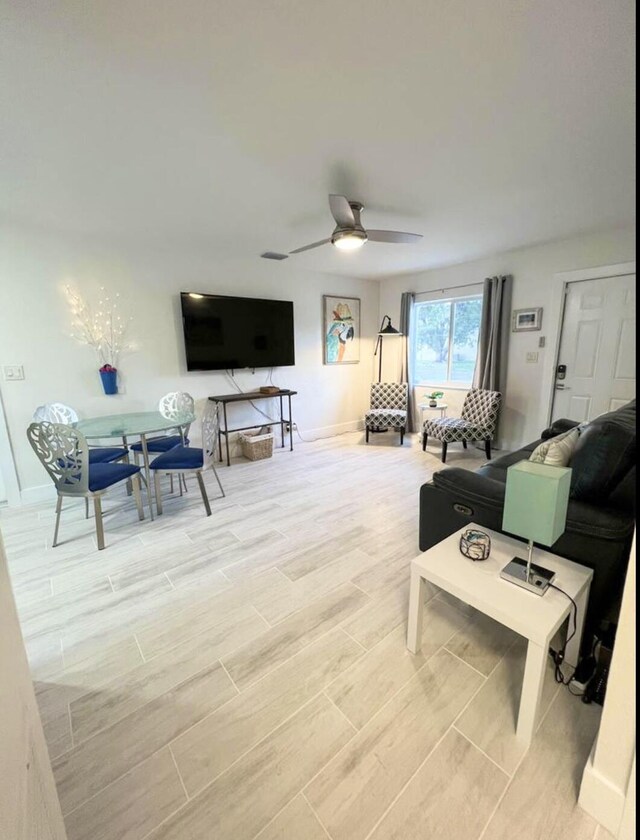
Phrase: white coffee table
pixel 537 618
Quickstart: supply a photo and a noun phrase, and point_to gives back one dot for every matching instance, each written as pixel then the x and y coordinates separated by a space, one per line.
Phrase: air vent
pixel 273 255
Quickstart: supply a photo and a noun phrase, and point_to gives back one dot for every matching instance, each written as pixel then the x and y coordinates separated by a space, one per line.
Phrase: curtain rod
pixel 450 288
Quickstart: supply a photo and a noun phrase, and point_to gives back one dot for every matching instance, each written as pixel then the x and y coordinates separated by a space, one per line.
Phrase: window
pixel 445 340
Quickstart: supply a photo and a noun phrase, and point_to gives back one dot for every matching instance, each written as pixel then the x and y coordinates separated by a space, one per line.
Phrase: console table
pixel 254 396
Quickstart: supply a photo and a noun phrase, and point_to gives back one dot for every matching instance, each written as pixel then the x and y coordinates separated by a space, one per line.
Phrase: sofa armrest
pixel 558 427
pixel 454 499
pixel 470 487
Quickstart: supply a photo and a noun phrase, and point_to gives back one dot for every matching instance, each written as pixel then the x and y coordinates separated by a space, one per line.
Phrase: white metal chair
pixel 183 459
pixel 174 406
pixel 55 413
pixel 63 452
pixel 61 413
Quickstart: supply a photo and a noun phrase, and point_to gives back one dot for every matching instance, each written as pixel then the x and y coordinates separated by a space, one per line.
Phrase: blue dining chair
pixel 173 406
pixel 63 452
pixel 185 459
pixel 61 413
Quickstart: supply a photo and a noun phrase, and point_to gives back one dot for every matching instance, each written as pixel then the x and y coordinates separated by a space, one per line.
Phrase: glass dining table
pixel 135 425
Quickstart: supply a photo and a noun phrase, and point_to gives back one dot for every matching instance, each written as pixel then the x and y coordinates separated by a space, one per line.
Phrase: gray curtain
pixel 406 312
pixel 493 344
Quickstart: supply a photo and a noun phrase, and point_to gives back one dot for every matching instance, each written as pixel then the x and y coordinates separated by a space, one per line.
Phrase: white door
pixel 597 348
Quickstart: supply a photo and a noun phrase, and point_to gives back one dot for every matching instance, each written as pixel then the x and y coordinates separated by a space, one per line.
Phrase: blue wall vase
pixel 109 381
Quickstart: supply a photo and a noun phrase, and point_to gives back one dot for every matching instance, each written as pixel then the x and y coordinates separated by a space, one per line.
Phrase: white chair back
pixel 210 425
pixel 64 454
pixel 55 413
pixel 176 404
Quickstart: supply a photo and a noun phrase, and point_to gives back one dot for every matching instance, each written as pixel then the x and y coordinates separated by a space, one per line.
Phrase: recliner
pixel 597 535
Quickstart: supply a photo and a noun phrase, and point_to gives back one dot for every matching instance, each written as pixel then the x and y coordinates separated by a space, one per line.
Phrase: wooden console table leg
pixel 226 433
pixel 281 422
pixel 290 425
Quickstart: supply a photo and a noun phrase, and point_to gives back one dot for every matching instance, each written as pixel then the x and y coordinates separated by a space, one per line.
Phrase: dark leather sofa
pixel 601 514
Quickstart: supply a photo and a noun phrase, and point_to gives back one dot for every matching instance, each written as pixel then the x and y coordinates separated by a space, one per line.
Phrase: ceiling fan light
pixel 349 240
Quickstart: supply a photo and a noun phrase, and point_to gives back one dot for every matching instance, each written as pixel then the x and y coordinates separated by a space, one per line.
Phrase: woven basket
pixel 255 446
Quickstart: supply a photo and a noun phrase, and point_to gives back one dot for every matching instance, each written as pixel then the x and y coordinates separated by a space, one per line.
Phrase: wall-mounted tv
pixel 228 333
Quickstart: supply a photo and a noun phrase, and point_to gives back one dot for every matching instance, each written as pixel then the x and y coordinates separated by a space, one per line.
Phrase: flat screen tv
pixel 227 333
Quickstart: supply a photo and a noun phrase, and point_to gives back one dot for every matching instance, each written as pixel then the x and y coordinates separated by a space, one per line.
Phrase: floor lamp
pixel 384 332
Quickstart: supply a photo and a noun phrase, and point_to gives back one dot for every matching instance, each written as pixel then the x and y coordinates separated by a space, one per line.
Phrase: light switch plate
pixel 532 357
pixel 12 373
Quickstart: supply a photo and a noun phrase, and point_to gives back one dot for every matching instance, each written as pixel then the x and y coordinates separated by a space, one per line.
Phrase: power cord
pixel 251 403
pixel 559 656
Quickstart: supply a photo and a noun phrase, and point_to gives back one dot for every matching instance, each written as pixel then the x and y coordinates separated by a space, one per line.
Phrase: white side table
pixel 441 407
pixel 537 618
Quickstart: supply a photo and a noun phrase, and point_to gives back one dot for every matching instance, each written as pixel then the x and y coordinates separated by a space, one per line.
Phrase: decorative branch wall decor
pixel 102 327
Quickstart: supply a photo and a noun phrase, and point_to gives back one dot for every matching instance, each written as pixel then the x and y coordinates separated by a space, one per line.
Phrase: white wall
pixel 525 410
pixel 29 806
pixel 605 782
pixel 9 489
pixel 35 332
pixel 3 489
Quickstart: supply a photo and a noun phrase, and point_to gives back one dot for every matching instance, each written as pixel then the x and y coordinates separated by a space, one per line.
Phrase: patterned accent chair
pixel 388 408
pixel 478 422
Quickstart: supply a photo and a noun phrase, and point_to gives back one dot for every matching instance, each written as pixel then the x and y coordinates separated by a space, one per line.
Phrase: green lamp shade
pixel 536 500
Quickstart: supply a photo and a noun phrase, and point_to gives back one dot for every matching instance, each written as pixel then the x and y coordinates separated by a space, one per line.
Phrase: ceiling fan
pixel 349 235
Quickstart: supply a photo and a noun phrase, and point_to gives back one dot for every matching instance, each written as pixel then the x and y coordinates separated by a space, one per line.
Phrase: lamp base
pixel 538 580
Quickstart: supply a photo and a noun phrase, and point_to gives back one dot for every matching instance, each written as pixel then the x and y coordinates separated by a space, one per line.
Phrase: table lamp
pixel 535 507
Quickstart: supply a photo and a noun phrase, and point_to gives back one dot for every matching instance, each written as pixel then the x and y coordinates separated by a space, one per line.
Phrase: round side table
pixel 441 407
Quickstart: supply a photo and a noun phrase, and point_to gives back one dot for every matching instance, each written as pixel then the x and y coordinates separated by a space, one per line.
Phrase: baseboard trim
pixel 40 493
pixel 600 798
pixel 332 431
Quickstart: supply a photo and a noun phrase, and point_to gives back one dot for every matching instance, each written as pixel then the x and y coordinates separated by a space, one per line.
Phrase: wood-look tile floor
pixel 245 675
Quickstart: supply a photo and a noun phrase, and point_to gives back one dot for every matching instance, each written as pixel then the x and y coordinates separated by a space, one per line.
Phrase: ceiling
pixel 222 125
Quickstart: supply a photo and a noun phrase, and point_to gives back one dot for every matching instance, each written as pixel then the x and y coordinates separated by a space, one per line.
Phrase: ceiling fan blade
pixel 309 247
pixel 341 211
pixel 393 236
